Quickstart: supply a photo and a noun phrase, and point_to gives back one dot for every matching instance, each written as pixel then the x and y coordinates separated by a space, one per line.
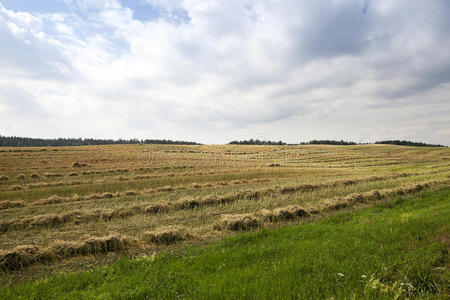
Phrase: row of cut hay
pixel 23 256
pixel 59 199
pixel 191 202
pixel 374 195
pixel 10 204
pixel 45 184
pixel 52 220
pixel 283 213
pixel 78 216
pixel 74 198
pixel 239 222
pixel 169 235
pixel 79 165
pixel 148 176
pixel 75 174
pixel 84 173
pixel 20 177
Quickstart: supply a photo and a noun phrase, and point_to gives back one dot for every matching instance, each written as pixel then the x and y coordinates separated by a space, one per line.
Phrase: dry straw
pixel 168 235
pixel 238 222
pixel 23 256
pixel 10 204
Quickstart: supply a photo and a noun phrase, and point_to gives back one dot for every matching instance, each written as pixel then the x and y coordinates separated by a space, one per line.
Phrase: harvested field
pixel 129 202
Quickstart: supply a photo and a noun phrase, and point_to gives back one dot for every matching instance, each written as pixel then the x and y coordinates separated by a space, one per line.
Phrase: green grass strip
pixel 392 251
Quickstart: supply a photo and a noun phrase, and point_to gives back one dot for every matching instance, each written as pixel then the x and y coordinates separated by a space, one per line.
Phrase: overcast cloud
pixel 215 71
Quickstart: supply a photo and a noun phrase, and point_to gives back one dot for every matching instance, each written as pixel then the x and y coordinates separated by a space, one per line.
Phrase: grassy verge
pixel 394 250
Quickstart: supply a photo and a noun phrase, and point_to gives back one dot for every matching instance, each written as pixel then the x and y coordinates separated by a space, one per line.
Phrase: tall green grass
pixel 394 250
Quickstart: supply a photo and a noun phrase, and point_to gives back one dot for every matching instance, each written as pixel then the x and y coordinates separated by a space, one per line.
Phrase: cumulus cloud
pixel 213 71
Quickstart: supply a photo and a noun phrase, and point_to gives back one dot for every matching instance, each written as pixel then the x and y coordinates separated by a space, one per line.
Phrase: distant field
pixel 71 208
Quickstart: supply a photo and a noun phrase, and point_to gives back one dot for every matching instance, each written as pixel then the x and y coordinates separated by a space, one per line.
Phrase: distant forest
pixel 328 142
pixel 333 142
pixel 408 143
pixel 313 142
pixel 14 141
pixel 256 142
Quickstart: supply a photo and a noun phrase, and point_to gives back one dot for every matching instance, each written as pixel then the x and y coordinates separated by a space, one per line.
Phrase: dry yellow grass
pixel 145 198
pixel 168 235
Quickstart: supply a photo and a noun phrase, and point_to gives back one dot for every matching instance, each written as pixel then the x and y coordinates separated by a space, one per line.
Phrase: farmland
pixel 72 208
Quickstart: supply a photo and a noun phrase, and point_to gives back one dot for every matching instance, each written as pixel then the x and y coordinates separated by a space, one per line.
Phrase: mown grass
pixel 120 189
pixel 397 249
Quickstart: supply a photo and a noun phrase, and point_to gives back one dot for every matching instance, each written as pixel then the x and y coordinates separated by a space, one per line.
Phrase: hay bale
pixel 124 212
pixel 288 189
pixel 110 243
pixel 76 197
pixel 18 257
pixel 372 195
pixel 107 195
pixel 15 188
pixel 51 200
pixel 4 178
pixel 71 174
pixel 131 193
pixel 400 191
pixel 165 189
pixel 334 204
pixel 266 214
pixel 51 175
pixel 47 220
pixel 188 203
pixel 239 222
pixel 79 165
pixel 10 204
pixel 211 199
pixel 65 249
pixel 157 208
pixel 168 235
pixel 417 188
pixel 273 165
pixel 251 195
pixel 348 182
pixel 21 177
pixel 353 198
pixel 284 213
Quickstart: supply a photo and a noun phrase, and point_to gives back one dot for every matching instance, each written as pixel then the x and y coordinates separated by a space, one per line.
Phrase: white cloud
pixel 295 70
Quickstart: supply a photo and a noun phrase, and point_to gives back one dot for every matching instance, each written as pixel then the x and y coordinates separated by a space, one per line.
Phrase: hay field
pixel 76 207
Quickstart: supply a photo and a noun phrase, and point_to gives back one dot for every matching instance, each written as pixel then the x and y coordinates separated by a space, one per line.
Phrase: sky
pixel 216 71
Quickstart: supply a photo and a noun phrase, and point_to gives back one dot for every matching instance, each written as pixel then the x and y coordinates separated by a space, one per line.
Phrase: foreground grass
pixel 396 249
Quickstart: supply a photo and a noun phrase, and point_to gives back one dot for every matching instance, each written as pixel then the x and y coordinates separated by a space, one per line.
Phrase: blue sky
pixel 214 71
pixel 142 10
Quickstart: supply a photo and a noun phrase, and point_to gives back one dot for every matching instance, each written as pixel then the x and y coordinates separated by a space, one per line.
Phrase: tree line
pixel 333 142
pixel 14 141
pixel 408 143
pixel 313 142
pixel 256 142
